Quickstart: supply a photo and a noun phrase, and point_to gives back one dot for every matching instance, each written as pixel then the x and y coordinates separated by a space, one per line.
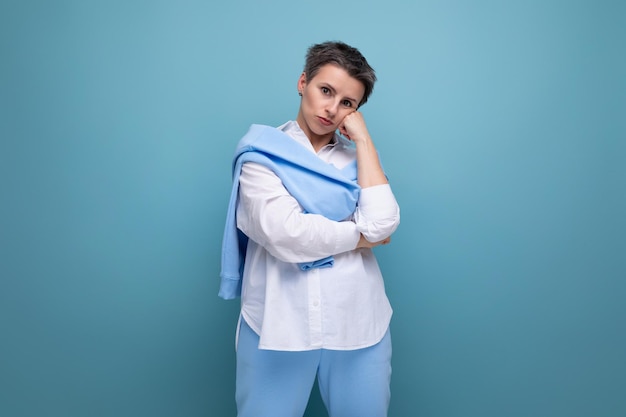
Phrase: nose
pixel 331 109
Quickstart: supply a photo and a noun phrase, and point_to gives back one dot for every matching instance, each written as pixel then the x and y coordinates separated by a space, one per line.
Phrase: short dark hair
pixel 344 56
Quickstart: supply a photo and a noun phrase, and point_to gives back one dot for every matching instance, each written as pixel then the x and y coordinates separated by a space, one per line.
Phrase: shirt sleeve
pixel 378 214
pixel 274 219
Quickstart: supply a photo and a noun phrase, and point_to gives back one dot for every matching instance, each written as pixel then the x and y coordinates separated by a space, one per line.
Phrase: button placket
pixel 315 311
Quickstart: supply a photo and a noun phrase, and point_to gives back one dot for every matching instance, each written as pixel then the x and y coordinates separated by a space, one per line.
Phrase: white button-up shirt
pixel 342 307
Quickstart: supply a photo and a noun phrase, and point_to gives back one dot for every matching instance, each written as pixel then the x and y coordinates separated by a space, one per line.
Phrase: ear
pixel 302 82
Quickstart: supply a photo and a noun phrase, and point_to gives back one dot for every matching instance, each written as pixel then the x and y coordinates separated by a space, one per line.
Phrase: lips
pixel 325 121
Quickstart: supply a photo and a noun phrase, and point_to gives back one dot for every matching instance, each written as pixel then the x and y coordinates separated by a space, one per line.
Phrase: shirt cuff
pixel 347 237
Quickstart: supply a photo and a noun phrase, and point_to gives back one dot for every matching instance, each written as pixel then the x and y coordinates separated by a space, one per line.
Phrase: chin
pixel 324 130
pixel 327 132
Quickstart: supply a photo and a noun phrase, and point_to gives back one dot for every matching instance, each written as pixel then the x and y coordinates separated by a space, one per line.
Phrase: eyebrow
pixel 330 87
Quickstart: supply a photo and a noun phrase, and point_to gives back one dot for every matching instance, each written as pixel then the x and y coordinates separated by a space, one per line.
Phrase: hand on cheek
pixel 353 127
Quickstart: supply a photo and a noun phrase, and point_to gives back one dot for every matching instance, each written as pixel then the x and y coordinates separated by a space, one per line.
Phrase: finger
pixel 344 132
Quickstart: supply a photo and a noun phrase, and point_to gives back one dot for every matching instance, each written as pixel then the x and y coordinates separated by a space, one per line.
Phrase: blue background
pixel 502 127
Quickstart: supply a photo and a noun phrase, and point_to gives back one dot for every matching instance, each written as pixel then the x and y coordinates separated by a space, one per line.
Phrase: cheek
pixel 344 112
pixel 309 100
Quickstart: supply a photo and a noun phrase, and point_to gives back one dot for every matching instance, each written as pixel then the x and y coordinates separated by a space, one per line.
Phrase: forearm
pixel 369 170
pixel 308 237
pixel 377 215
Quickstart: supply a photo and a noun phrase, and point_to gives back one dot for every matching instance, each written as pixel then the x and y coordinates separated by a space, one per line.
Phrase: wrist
pixel 361 139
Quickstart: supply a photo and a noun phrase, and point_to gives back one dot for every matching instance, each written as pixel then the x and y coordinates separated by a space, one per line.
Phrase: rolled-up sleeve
pixel 378 214
pixel 274 219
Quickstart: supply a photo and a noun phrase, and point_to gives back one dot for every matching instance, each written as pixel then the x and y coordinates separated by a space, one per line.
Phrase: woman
pixel 307 207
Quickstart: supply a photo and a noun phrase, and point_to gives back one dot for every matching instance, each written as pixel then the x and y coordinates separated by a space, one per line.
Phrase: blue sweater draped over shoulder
pixel 319 187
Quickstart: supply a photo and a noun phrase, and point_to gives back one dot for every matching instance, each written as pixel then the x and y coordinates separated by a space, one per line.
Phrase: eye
pixel 325 90
pixel 347 103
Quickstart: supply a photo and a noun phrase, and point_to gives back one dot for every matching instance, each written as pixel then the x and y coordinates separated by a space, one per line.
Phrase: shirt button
pixel 316 303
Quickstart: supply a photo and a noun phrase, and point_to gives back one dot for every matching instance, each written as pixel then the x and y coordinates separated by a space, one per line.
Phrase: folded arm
pixel 270 216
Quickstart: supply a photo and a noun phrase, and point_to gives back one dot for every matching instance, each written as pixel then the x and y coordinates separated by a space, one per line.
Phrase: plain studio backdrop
pixel 502 127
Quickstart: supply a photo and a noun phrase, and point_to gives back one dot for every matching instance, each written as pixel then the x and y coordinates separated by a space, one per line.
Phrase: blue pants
pixel 278 384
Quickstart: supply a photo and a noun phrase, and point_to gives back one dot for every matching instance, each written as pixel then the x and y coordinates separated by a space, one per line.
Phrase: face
pixel 327 98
